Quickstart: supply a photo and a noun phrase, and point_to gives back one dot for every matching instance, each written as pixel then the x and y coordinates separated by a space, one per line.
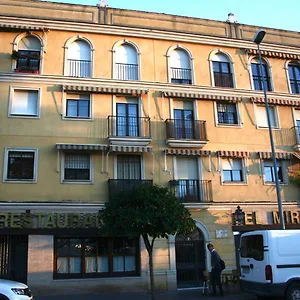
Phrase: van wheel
pixel 293 292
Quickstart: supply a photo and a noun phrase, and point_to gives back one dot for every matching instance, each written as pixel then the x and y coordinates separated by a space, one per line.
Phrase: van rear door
pixel 254 256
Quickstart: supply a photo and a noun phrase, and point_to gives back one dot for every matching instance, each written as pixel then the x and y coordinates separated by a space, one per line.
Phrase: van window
pixel 252 246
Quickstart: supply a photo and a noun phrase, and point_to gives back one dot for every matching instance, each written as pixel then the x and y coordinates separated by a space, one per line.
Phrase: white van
pixel 270 263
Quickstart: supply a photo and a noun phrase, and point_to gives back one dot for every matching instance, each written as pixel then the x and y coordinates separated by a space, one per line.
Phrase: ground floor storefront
pixel 60 249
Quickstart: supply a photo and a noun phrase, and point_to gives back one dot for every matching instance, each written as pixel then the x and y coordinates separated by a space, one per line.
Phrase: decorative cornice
pixel 176 37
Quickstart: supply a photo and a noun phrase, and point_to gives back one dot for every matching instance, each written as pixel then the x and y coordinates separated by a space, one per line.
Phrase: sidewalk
pixel 178 295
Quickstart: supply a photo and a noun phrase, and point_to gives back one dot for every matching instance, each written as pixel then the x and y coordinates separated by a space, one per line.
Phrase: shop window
pixel 24 102
pixel 20 165
pixel 96 257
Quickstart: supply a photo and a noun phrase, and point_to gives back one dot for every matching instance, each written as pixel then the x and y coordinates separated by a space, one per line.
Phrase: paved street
pixel 179 295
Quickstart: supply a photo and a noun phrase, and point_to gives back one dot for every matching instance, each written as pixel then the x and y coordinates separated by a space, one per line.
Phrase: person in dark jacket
pixel 215 269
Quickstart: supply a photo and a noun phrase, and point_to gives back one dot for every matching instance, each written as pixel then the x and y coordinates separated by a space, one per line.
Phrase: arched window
pixel 126 62
pixel 294 77
pixel 28 56
pixel 79 59
pixel 180 67
pixel 222 70
pixel 259 78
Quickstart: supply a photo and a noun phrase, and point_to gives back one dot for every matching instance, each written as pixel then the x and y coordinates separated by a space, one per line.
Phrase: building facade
pixel 95 100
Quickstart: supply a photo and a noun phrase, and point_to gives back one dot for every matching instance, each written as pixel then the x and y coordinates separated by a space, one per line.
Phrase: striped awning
pixel 130 149
pixel 90 147
pixel 274 54
pixel 296 154
pixel 289 102
pixel 279 155
pixel 190 152
pixel 233 153
pixel 104 90
pixel 174 94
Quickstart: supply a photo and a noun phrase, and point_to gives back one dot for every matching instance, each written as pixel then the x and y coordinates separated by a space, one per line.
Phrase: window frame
pixel 275 116
pixel 110 247
pixel 5 178
pixel 293 65
pixel 67 181
pixel 237 111
pixel 243 171
pixel 89 97
pixel 281 164
pixel 11 99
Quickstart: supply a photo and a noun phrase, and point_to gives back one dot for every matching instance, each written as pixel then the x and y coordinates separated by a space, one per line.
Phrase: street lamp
pixel 259 36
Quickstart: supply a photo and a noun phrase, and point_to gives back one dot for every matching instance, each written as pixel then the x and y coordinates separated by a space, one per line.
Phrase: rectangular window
pixel 77 167
pixel 24 102
pixel 20 165
pixel 78 106
pixel 261 116
pixel 232 170
pixel 96 257
pixel 269 171
pixel 227 113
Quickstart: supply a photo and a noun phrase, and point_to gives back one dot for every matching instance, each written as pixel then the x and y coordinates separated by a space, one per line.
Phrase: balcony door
pixel 129 167
pixel 187 174
pixel 127 119
pixel 183 122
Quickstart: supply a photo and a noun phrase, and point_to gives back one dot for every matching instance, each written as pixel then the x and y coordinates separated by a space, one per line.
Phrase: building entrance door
pixel 190 259
pixel 14 257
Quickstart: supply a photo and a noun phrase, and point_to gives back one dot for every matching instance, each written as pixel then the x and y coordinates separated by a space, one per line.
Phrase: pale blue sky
pixel 279 14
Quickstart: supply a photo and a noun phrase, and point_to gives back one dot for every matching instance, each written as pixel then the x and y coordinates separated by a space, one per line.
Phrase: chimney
pixel 231 18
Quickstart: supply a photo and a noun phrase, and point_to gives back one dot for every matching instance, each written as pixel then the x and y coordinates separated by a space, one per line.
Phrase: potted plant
pixel 174 182
pixel 15 54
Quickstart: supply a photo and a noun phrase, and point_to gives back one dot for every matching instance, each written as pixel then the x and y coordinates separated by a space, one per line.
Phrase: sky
pixel 280 14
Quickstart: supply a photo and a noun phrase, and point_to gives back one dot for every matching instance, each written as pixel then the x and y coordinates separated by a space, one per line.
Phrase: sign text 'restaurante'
pixel 50 220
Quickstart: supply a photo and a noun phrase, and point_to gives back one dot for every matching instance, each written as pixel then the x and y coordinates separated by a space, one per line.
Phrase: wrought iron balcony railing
pixel 126 126
pixel 192 190
pixel 117 186
pixel 181 75
pixel 297 134
pixel 186 129
pixel 79 68
pixel 127 71
pixel 28 61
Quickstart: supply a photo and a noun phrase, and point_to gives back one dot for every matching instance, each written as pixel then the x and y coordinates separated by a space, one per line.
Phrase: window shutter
pixel 261 116
pixel 24 102
pixel 232 164
pixel 187 168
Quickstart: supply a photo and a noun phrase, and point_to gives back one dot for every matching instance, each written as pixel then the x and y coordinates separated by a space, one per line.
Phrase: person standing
pixel 215 269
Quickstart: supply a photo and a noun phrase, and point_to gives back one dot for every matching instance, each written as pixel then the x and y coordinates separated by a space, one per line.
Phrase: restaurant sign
pixel 50 220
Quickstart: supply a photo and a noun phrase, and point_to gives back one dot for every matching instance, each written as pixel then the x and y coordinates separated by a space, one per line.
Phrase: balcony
pixel 79 68
pixel 297 137
pixel 181 76
pixel 27 61
pixel 186 133
pixel 127 71
pixel 117 186
pixel 126 130
pixel 192 190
